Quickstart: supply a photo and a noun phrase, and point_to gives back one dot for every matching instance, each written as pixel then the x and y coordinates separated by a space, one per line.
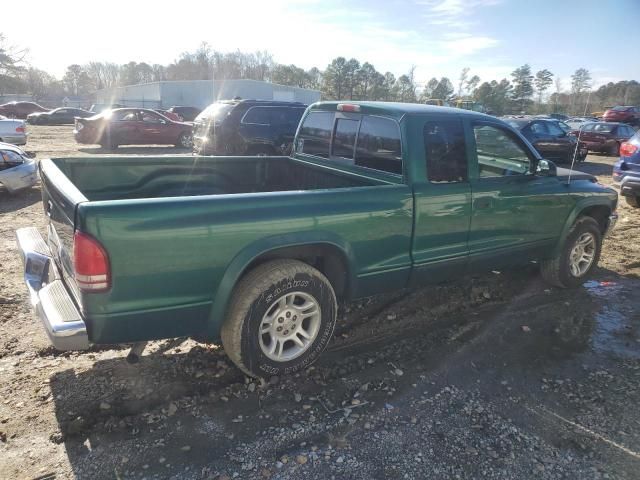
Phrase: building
pixel 200 93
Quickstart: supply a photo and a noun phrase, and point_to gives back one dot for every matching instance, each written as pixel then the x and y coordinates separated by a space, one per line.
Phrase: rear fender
pixel 248 255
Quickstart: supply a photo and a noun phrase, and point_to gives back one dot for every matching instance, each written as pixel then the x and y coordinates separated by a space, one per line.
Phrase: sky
pixel 438 37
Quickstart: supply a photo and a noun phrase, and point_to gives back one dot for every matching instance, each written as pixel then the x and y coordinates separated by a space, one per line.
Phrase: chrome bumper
pixel 49 297
pixel 613 219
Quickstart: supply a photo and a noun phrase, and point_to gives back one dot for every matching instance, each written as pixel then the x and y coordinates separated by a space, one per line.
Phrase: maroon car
pixel 132 126
pixel 630 115
pixel 604 137
pixel 20 109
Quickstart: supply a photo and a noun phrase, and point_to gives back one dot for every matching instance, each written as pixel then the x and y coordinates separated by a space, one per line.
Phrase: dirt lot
pixel 490 377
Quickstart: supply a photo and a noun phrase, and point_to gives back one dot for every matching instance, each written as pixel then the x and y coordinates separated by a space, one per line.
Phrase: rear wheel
pixel 281 317
pixel 108 143
pixel 577 257
pixel 633 200
pixel 614 151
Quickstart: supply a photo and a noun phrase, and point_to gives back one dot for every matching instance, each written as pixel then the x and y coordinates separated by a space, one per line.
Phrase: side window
pixel 293 116
pixel 149 117
pixel 445 151
pixel 126 116
pixel 555 130
pixel 538 128
pixel 588 127
pixel 315 134
pixel 257 116
pixel 499 153
pixel 379 145
pixel 345 138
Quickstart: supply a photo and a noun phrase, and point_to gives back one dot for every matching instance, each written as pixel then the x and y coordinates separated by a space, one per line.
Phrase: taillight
pixel 19 129
pixel 628 149
pixel 90 264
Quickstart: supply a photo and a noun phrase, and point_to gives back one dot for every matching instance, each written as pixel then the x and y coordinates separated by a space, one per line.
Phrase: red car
pixel 20 109
pixel 604 137
pixel 630 115
pixel 132 126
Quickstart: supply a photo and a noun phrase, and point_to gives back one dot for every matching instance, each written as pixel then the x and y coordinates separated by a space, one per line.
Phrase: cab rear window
pixel 365 141
pixel 315 134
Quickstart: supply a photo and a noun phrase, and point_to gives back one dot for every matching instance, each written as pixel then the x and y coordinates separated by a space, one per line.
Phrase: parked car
pixel 604 137
pixel 187 114
pixel 20 109
pixel 549 138
pixel 132 126
pixel 630 115
pixel 575 122
pixel 255 252
pixel 101 107
pixel 247 127
pixel 13 131
pixel 170 115
pixel 559 116
pixel 17 169
pixel 58 116
pixel 626 171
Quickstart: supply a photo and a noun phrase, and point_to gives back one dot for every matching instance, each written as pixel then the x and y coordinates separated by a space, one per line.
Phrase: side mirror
pixel 546 168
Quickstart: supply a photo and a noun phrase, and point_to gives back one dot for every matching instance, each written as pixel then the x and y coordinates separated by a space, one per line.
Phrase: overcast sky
pixel 439 37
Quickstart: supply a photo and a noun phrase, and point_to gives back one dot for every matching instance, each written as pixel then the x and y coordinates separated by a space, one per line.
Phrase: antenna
pixel 575 152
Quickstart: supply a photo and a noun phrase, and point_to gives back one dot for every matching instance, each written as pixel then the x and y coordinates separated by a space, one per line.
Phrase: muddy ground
pixel 497 376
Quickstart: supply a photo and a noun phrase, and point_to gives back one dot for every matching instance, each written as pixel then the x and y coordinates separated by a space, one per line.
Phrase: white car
pixel 13 131
pixel 17 170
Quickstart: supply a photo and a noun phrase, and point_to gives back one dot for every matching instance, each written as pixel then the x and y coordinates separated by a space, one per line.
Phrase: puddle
pixel 616 329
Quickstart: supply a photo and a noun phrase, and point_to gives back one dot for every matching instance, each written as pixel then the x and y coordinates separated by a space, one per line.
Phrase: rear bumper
pixel 15 139
pixel 50 299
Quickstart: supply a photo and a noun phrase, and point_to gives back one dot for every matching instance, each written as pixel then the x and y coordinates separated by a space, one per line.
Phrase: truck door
pixel 442 196
pixel 516 215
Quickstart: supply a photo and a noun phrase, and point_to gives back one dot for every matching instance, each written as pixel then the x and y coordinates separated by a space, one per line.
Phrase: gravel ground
pixel 497 377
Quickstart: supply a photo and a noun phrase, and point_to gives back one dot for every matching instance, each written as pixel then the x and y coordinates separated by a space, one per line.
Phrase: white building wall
pixel 201 93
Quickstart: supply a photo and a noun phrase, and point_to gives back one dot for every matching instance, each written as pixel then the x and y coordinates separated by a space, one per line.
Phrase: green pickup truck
pixel 256 252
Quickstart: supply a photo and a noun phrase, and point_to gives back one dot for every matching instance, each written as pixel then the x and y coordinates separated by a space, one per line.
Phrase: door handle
pixel 482 203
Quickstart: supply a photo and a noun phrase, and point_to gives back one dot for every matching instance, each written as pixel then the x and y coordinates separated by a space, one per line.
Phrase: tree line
pixel 343 79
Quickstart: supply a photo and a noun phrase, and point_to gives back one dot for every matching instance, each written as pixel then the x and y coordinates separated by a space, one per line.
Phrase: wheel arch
pixel 331 256
pixel 591 207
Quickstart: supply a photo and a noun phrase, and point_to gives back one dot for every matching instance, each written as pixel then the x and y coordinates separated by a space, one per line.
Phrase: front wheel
pixel 633 200
pixel 185 140
pixel 281 318
pixel 577 257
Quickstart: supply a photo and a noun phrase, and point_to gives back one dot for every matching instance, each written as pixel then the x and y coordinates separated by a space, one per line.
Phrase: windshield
pixel 620 109
pixel 564 126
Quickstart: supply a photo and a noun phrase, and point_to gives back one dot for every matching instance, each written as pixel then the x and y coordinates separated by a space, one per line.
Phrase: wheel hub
pixel 582 254
pixel 289 326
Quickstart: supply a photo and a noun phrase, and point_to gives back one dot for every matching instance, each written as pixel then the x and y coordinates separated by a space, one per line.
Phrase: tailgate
pixel 60 199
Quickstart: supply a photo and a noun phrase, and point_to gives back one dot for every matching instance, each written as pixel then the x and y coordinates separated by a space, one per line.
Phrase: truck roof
pixel 397 109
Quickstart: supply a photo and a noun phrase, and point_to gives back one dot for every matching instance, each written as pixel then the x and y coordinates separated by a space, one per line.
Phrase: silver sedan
pixel 13 131
pixel 17 170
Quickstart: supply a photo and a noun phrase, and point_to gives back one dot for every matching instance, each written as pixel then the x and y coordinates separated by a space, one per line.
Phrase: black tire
pixel 108 143
pixel 185 140
pixel 255 296
pixel 633 200
pixel 557 270
pixel 614 151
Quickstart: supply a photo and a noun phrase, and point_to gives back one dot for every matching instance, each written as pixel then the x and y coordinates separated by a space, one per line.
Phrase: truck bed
pixel 115 178
pixel 179 230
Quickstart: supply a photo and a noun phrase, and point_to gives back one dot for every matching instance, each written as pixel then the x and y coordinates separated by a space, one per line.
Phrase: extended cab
pixel 257 251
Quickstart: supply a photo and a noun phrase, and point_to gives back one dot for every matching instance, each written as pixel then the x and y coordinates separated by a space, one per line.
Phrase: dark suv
pixel 247 127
